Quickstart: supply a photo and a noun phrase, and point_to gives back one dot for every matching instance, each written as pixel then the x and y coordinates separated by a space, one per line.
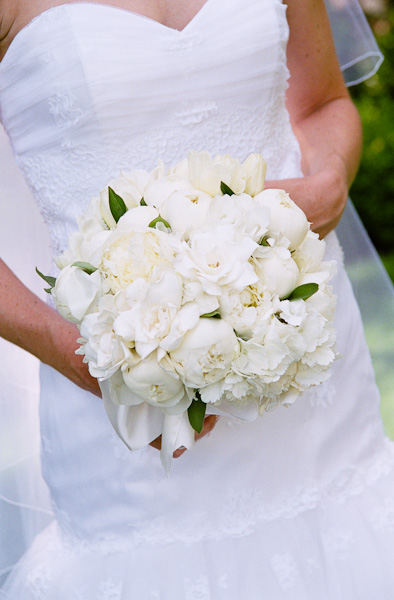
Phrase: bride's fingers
pixel 156 443
pixel 209 424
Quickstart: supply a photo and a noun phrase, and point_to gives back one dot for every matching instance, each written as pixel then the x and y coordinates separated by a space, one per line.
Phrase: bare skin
pixel 323 117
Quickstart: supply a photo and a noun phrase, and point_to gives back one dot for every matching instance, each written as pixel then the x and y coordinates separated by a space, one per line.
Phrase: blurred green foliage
pixel 373 189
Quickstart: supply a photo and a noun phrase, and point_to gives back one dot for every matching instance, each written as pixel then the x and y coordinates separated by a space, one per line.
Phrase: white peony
pixel 85 244
pixel 249 217
pixel 186 210
pixel 76 292
pixel 256 170
pixel 310 253
pixel 104 351
pixel 132 255
pixel 206 353
pixel 155 382
pixel 287 219
pixel 137 219
pixel 155 317
pixel 279 275
pixel 130 187
pixel 246 310
pixel 159 190
pixel 207 173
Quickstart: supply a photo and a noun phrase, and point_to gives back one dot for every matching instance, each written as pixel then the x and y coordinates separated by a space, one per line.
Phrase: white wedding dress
pixel 298 504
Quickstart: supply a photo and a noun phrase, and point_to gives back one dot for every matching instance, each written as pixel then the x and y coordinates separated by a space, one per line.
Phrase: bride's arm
pixel 324 118
pixel 25 320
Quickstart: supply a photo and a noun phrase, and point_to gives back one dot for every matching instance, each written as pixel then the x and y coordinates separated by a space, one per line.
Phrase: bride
pixel 298 504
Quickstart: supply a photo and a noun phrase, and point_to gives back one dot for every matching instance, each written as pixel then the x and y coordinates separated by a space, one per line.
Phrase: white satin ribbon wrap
pixel 138 425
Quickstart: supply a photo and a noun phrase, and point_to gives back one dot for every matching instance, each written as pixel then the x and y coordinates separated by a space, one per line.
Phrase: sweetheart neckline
pixel 104 6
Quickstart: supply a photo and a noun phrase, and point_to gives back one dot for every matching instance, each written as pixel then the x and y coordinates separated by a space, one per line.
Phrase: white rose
pixel 217 257
pixel 279 275
pixel 207 173
pixel 206 353
pixel 156 383
pixel 256 170
pixel 287 219
pixel 75 292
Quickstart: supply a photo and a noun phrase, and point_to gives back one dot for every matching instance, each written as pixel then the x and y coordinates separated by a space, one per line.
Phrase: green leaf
pixel 85 266
pixel 264 241
pixel 142 202
pixel 226 190
pixel 116 204
pixel 196 412
pixel 302 292
pixel 159 219
pixel 215 314
pixel 50 280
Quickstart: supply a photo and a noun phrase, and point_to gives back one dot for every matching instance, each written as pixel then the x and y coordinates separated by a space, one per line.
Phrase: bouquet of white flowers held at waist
pixel 195 288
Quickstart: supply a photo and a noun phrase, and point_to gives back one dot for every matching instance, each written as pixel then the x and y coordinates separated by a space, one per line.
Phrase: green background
pixel 373 193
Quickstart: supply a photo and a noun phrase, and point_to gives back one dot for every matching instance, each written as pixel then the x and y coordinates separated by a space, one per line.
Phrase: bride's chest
pixel 102 52
pixel 87 90
pixel 86 72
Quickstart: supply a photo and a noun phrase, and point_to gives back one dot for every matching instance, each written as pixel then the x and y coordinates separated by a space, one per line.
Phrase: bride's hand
pixel 72 366
pixel 322 196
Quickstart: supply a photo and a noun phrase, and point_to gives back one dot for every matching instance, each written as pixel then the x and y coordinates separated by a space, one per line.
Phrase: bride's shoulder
pixel 14 16
pixel 8 17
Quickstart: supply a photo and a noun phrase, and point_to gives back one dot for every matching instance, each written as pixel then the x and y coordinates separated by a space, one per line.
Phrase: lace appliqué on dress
pixel 242 513
pixel 200 127
pixel 286 571
pixel 65 110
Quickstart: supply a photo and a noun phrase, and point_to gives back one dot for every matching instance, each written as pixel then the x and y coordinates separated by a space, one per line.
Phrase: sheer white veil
pixel 24 502
pixel 357 50
pixel 360 57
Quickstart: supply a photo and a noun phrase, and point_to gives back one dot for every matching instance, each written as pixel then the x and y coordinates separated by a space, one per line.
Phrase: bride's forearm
pixel 330 141
pixel 330 138
pixel 322 114
pixel 25 320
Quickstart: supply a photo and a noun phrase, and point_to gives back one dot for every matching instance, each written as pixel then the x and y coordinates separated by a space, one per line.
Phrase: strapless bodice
pixel 82 100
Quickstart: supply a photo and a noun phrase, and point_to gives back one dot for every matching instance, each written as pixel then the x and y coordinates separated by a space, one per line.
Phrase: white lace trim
pixel 200 127
pixel 244 511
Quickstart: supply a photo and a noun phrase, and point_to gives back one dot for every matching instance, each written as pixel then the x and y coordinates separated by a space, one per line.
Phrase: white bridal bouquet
pixel 195 288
